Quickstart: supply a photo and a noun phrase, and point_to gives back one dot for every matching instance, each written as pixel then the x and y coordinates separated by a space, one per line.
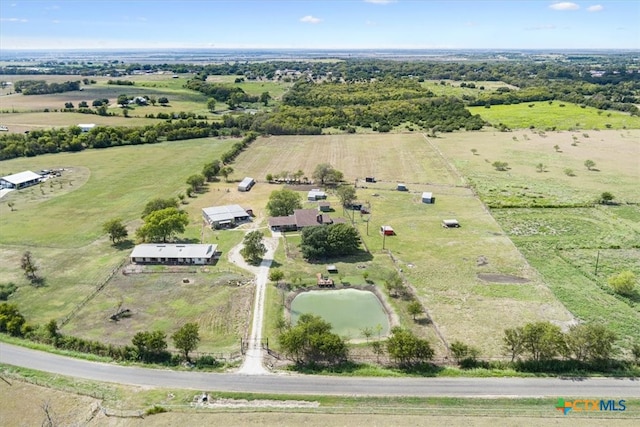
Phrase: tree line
pixel 41 87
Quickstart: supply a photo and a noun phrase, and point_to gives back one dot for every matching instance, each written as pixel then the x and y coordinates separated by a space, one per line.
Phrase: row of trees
pixel 41 87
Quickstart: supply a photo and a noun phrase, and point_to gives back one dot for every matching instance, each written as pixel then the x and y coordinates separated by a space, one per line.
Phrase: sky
pixel 310 24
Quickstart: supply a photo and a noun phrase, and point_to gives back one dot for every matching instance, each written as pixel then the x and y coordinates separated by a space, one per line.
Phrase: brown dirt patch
pixel 501 278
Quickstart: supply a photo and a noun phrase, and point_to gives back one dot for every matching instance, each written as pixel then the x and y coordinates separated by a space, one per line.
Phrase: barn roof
pixel 224 213
pixel 165 250
pixel 21 177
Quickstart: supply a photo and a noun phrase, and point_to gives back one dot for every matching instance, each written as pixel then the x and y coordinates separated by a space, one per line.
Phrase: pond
pixel 348 310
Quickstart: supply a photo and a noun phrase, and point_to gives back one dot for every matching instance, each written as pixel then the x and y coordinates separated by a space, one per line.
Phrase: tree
pixel 162 225
pixel 82 104
pixel 11 320
pixel 311 341
pixel 513 342
pixel 196 182
pixel 151 346
pixel 68 105
pixel 414 308
pixel 407 349
pixel 11 205
pixel 211 104
pixel 635 352
pixel 186 338
pixel 283 202
pixel 474 151
pixel 276 275
pixel 569 172
pixel 606 198
pixel 211 170
pixel 115 229
pixel 589 164
pixel 29 266
pixel 623 283
pixel 264 98
pixel 254 249
pixel 159 204
pixel 590 342
pixel 543 340
pixel 123 100
pixel 329 241
pixel 326 174
pixel 393 284
pixel 557 148
pixel 163 100
pixel 226 171
pixel 346 194
pixel 500 166
pixel 462 351
pixel 541 167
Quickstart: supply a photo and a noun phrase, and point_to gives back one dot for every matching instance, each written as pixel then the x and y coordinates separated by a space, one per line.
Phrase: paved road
pixel 317 385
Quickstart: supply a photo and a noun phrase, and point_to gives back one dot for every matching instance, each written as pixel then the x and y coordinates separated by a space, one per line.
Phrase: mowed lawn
pixel 555 115
pixel 63 226
pixel 442 265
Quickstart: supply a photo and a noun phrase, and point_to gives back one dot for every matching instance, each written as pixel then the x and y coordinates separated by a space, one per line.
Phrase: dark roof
pixel 302 218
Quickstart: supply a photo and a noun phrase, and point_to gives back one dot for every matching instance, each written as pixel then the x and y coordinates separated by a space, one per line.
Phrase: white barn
pixel 225 216
pixel 246 184
pixel 316 194
pixel 174 254
pixel 20 180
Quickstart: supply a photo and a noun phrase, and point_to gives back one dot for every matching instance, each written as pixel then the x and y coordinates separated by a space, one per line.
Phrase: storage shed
pixel 316 194
pixel 450 223
pixel 427 197
pixel 387 230
pixel 246 184
pixel 20 180
pixel 401 187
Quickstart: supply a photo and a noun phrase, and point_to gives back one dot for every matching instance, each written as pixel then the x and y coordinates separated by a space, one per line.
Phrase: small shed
pixel 331 268
pixel 370 179
pixel 401 187
pixel 387 230
pixel 324 206
pixel 316 194
pixel 246 184
pixel 450 223
pixel 427 197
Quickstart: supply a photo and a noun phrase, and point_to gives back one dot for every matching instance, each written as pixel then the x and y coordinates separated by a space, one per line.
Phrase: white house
pixel 225 216
pixel 20 180
pixel 164 253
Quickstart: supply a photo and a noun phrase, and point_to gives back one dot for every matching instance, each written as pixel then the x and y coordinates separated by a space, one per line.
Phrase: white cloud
pixel 310 19
pixel 13 20
pixel 595 8
pixel 371 23
pixel 565 5
pixel 380 1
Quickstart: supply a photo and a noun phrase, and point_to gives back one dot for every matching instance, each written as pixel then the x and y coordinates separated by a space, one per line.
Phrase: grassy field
pixel 555 115
pixel 563 243
pixel 441 264
pixel 452 88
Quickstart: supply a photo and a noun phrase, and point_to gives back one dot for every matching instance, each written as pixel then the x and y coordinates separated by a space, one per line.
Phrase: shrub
pixel 623 283
pixel 155 409
pixel 6 289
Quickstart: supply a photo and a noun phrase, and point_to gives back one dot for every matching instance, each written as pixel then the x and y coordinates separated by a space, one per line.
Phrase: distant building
pixel 450 223
pixel 246 184
pixel 174 254
pixel 86 127
pixel 20 180
pixel 301 218
pixel 316 194
pixel 401 187
pixel 225 216
pixel 427 197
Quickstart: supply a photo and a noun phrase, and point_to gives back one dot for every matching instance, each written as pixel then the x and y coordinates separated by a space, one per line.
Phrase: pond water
pixel 348 310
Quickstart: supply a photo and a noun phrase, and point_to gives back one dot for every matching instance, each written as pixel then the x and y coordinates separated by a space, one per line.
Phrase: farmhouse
pixel 20 180
pixel 301 218
pixel 86 127
pixel 185 254
pixel 225 216
pixel 246 184
pixel 427 197
pixel 316 194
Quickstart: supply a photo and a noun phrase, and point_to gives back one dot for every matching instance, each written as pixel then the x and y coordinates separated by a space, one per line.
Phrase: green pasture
pixel 452 88
pixel 556 115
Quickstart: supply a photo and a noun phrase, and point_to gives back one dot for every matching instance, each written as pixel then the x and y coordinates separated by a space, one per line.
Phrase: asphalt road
pixel 601 388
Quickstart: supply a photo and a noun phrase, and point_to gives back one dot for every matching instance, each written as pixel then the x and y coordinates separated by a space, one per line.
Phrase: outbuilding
pixel 387 230
pixel 20 180
pixel 370 179
pixel 225 216
pixel 427 197
pixel 246 184
pixel 401 187
pixel 450 223
pixel 174 254
pixel 316 194
pixel 86 127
